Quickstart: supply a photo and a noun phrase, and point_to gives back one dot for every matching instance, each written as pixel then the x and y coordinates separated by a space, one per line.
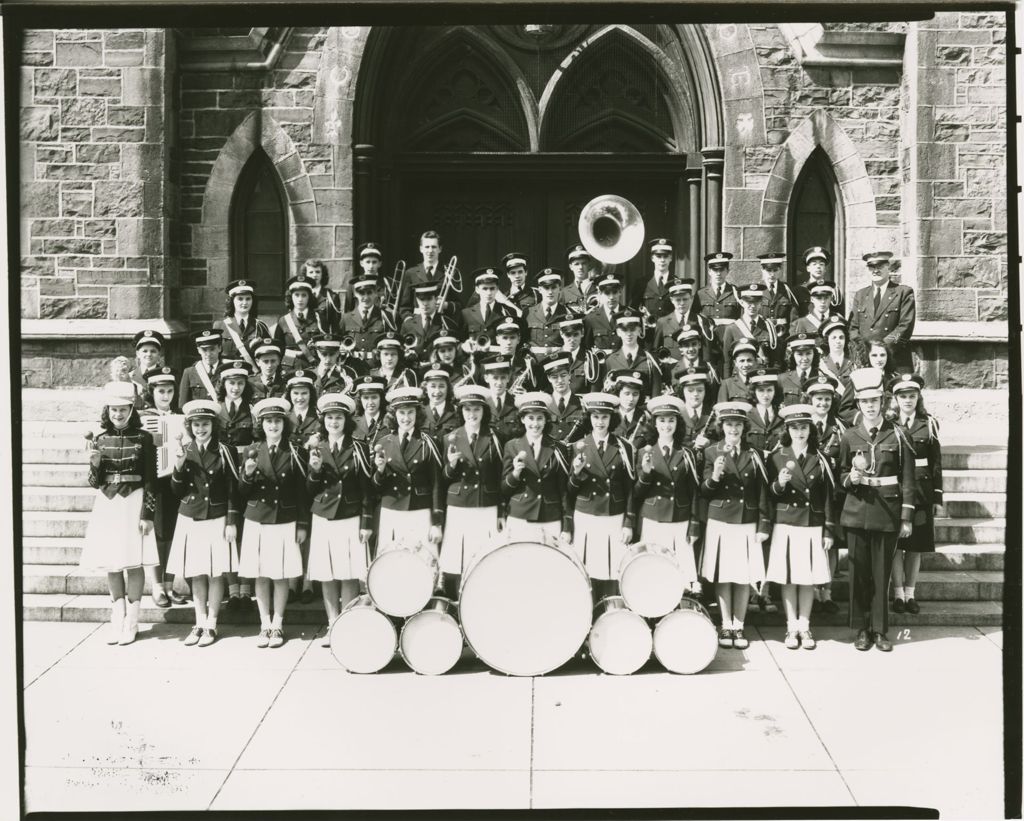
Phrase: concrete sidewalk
pixel 160 726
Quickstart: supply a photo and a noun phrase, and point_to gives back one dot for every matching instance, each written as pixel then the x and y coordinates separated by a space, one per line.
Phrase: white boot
pixel 131 623
pixel 116 621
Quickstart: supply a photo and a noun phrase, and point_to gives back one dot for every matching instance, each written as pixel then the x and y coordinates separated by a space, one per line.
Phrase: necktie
pixel 767 416
pixel 878 297
pixel 335 448
pixel 600 447
pixel 273 451
pixel 437 416
pixel 629 360
pixel 561 404
pixel 821 430
pixel 241 326
pixel 302 316
pixel 547 314
pixel 498 405
pixel 665 450
pixel 366 316
pixel 430 272
pixel 906 421
pixel 800 460
pixel 472 441
pixel 202 450
pixel 405 440
pixel 872 433
pixel 232 408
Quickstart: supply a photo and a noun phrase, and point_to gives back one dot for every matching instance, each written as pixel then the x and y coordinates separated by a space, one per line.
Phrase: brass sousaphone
pixel 611 229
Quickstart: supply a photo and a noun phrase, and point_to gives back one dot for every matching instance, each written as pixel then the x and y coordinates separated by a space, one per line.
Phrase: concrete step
pixel 944 585
pixel 975 505
pixel 933 614
pixel 51 550
pixel 965 557
pixel 61 450
pixel 67 475
pixel 53 523
pixel 970 531
pixel 67 499
pixel 58 428
pixel 976 457
pixel 65 404
pixel 974 481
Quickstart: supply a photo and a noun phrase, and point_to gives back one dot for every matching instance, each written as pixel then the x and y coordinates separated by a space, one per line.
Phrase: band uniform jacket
pixel 207 483
pixel 127 462
pixel 668 326
pixel 262 390
pixel 276 493
pixel 599 330
pixel 301 431
pixel 756 330
pixel 575 294
pixel 807 499
pixel 308 328
pixel 338 488
pixel 443 423
pixel 605 485
pixel 524 299
pixel 477 321
pixel 192 386
pixel 567 422
pixel 411 479
pixel 542 330
pixel 721 307
pixel 694 426
pixel 791 386
pixel 924 440
pixel 671 492
pixel 399 374
pixel 540 494
pixel 637 430
pixel 364 332
pixel 417 275
pixel 808 324
pixel 506 422
pixel 832 369
pixel 255 328
pixel 764 437
pixel 370 431
pixel 523 360
pixel 236 429
pixel 741 495
pixel 335 377
pixel 803 298
pixel 424 329
pixel 781 307
pixel 655 297
pixel 330 308
pixel 475 481
pixel 735 388
pixel 643 363
pixel 893 322
pixel 578 383
pixel 881 508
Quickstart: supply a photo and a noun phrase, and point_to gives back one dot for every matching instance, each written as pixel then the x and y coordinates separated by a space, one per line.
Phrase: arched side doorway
pixel 815 217
pixel 259 229
pixel 497 140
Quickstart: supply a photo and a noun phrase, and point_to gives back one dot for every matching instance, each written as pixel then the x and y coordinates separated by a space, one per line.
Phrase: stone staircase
pixel 961 583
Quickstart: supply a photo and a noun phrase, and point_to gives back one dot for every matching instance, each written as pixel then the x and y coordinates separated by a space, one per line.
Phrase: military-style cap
pixel 572 324
pixel 816 252
pixel 832 323
pixel 472 395
pixel 755 290
pixel 904 382
pixel 772 258
pixel 299 282
pixel 534 401
pixel 334 402
pixel 820 384
pixel 507 326
pixel 441 340
pixel 577 252
pixel 208 336
pixel 404 396
pixel 370 249
pixel 609 281
pixel 823 288
pixel 867 383
pixel 365 282
pixel 801 341
pixel 483 276
pixel 681 286
pixel 234 368
pixel 240 286
pixel 791 414
pixel 271 406
pixel 425 290
pixel 627 377
pixel 259 347
pixel 149 337
pixel 733 411
pixel 690 375
pixel 366 384
pixel 200 409
pixel 556 362
pixel 877 256
pixel 687 332
pixel 498 362
pixel 600 401
pixel 743 344
pixel 718 258
pixel 436 373
pixel 300 378
pixel 327 342
pixel 513 260
pixel 628 317
pixel 160 376
pixel 119 393
pixel 764 376
pixel 389 340
pixel 667 404
pixel 660 245
pixel 549 276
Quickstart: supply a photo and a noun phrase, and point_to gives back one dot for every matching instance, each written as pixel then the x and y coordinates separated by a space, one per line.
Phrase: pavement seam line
pixel 266 712
pixel 810 723
pixel 533 715
pixel 72 649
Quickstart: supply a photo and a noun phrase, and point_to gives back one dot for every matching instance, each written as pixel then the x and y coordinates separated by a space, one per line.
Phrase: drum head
pixel 431 642
pixel 526 608
pixel 685 641
pixel 620 642
pixel 652 584
pixel 400 583
pixel 363 640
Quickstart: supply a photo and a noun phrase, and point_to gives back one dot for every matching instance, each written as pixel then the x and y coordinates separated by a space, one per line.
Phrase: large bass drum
pixel 402 578
pixel 650 580
pixel 685 641
pixel 525 607
pixel 620 641
pixel 431 640
pixel 363 639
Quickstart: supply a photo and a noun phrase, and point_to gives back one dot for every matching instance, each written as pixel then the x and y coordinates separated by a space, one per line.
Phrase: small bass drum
pixel 363 639
pixel 431 640
pixel 650 580
pixel 525 607
pixel 620 641
pixel 685 641
pixel 402 578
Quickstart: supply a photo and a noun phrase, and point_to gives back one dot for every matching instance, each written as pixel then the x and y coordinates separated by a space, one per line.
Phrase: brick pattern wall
pixel 93 216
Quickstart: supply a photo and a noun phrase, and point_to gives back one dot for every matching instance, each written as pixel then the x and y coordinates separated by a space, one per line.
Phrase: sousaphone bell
pixel 611 229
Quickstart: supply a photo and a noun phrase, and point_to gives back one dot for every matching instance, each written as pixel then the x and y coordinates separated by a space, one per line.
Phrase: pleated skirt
pixel 335 552
pixel 112 538
pixel 732 554
pixel 270 551
pixel 672 535
pixel 520 530
pixel 200 549
pixel 404 525
pixel 798 556
pixel 597 541
pixel 468 531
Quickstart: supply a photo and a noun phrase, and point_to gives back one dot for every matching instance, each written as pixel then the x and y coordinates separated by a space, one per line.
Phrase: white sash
pixel 204 377
pixel 236 338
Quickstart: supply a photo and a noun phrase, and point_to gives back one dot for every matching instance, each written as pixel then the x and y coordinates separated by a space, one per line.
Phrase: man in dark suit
pixel 198 381
pixel 429 270
pixel 599 323
pixel 654 301
pixel 542 320
pixel 816 262
pixel 566 409
pixel 883 311
pixel 718 302
pixel 571 331
pixel 576 292
pixel 364 323
pixel 876 472
pixel 426 323
pixel 752 325
pixel 780 305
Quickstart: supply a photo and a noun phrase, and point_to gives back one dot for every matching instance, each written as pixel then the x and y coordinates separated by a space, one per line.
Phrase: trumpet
pixel 503 299
pixel 451 281
pixel 592 303
pixel 480 344
pixel 348 344
pixel 392 290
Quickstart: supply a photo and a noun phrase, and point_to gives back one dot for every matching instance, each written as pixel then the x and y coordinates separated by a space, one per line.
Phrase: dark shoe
pixel 863 641
pixel 739 641
pixel 816 606
pixel 768 606
pixel 913 607
pixel 754 603
pixel 725 639
pixel 307 596
pixel 178 598
pixel 882 643
pixel 899 606
pixel 160 599
pixel 829 606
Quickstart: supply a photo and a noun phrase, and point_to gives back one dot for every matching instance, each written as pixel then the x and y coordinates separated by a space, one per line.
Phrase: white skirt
pixel 200 549
pixel 404 525
pixel 270 552
pixel 797 556
pixel 597 541
pixel 467 532
pixel 112 539
pixel 732 554
pixel 520 530
pixel 335 552
pixel 672 535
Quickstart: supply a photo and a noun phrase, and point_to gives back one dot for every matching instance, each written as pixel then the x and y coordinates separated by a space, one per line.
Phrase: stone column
pixel 364 213
pixel 714 163
pixel 694 172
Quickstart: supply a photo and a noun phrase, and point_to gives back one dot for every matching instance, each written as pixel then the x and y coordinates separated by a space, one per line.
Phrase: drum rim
pixel 572 558
pixel 426 565
pixel 619 612
pixel 699 610
pixel 624 566
pixel 442 617
pixel 348 610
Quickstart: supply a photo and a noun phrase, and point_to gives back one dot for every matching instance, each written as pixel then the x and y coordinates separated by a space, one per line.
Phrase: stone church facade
pixel 158 164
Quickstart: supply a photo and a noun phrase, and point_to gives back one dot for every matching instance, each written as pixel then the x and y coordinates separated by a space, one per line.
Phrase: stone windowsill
pixel 962 332
pixel 92 328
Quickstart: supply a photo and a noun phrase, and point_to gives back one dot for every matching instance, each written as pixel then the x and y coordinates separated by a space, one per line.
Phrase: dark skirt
pixel 922 540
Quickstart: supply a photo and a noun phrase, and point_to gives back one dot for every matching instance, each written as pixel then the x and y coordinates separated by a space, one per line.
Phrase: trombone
pixel 451 281
pixel 392 290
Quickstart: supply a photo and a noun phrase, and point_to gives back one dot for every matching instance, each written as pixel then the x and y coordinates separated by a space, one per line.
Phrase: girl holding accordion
pixel 802 491
pixel 205 479
pixel 667 488
pixel 735 487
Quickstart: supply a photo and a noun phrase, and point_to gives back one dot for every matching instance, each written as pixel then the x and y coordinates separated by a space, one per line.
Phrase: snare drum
pixel 620 641
pixel 402 578
pixel 431 640
pixel 685 641
pixel 363 639
pixel 650 580
pixel 525 607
